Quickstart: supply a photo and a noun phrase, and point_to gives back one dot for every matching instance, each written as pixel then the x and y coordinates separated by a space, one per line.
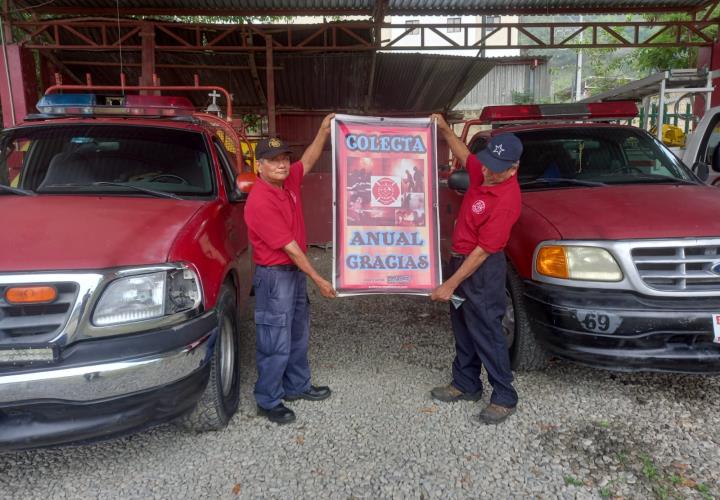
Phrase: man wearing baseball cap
pixel 276 229
pixel 489 209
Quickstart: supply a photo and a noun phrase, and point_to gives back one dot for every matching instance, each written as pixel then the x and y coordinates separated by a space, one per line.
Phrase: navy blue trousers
pixel 282 328
pixel 479 339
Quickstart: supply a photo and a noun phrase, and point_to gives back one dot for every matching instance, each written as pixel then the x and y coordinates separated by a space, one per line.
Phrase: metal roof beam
pixel 101 35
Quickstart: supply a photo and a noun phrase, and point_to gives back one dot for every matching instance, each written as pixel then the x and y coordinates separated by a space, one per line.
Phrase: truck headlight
pixel 147 296
pixel 578 263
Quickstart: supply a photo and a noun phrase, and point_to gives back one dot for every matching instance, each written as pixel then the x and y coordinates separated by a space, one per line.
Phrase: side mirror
pixel 243 184
pixel 702 170
pixel 459 180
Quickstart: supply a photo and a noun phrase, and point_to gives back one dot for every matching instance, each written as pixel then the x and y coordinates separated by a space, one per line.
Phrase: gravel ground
pixel 578 432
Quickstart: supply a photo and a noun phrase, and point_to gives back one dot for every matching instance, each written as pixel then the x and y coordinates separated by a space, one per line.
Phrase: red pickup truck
pixel 613 262
pixel 123 269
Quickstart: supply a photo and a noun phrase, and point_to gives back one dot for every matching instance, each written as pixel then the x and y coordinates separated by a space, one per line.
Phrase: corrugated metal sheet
pixel 538 6
pixel 322 81
pixel 241 6
pixel 424 83
pixel 498 85
pixel 394 7
pixel 417 83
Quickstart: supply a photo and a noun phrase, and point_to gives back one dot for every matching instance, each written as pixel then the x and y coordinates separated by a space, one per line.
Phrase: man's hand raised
pixel 315 149
pixel 325 125
pixel 441 123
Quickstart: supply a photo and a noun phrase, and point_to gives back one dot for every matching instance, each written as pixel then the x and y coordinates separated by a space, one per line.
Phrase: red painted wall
pixel 708 57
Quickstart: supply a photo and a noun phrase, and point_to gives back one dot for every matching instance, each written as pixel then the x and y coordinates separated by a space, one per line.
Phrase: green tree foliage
pixel 653 59
pixel 606 69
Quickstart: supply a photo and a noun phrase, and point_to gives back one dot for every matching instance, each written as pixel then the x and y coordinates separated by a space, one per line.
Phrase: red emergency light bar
pixel 171 105
pixel 616 110
pixel 164 105
pixel 94 104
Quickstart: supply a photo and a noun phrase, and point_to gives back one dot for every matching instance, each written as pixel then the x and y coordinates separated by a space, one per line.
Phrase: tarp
pixel 385 224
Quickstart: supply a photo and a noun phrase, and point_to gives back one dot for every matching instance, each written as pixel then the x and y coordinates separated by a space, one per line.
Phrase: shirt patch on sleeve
pixel 478 207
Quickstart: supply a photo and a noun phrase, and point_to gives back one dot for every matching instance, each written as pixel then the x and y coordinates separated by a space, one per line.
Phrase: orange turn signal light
pixel 552 261
pixel 30 294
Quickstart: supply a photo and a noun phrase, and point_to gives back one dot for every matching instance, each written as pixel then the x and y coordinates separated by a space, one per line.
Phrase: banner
pixel 385 222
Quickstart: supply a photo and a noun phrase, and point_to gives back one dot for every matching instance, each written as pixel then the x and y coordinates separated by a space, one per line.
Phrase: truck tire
pixel 526 353
pixel 221 396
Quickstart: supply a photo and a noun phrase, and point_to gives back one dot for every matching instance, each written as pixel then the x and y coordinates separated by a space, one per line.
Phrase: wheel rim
pixel 508 321
pixel 227 355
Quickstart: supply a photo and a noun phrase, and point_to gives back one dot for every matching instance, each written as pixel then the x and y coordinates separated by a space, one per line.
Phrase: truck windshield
pixel 587 156
pixel 112 159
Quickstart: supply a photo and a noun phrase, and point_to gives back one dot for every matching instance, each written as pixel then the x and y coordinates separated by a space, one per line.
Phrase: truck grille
pixel 681 268
pixel 35 323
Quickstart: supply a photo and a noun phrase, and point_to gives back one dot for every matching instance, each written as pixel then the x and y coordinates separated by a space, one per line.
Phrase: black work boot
pixel 449 394
pixel 280 414
pixel 314 393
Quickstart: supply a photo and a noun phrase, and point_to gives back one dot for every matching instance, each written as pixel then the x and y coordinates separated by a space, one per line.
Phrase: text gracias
pixel 390 261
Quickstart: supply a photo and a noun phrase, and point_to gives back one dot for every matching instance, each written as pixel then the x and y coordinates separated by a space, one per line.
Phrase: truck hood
pixel 49 233
pixel 629 211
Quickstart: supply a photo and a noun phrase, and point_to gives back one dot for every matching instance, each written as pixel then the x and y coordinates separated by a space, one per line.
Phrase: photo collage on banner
pixel 386 237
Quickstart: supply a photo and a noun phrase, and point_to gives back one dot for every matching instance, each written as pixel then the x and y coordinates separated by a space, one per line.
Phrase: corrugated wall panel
pixel 498 85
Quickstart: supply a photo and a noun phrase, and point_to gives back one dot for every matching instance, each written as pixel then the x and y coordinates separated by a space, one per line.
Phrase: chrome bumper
pixel 106 380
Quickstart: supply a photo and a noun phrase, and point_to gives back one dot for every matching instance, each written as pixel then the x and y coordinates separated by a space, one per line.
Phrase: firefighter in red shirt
pixel 489 209
pixel 276 229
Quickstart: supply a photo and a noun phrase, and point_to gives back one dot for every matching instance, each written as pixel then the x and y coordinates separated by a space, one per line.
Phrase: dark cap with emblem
pixel 501 152
pixel 267 149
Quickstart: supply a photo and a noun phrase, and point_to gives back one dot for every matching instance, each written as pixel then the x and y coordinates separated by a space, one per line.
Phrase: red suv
pixel 611 263
pixel 123 268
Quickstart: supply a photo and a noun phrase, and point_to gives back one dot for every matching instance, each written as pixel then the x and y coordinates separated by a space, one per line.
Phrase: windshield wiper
pixel 159 194
pixel 12 190
pixel 562 180
pixel 655 179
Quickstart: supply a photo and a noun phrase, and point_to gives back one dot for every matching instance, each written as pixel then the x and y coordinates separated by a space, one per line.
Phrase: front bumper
pixel 625 331
pixel 105 387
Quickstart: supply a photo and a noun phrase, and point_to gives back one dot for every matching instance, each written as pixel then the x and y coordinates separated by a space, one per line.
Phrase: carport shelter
pixel 292 73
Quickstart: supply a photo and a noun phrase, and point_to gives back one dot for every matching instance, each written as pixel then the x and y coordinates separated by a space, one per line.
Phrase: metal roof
pixel 357 7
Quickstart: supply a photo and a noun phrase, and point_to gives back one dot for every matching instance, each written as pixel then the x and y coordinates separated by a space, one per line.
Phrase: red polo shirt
pixel 487 213
pixel 274 218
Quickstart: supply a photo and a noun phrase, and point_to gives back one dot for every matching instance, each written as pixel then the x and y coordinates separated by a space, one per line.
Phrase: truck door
pixel 235 227
pixel 704 146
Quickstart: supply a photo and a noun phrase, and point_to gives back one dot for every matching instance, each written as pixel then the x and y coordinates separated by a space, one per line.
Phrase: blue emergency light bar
pixel 94 104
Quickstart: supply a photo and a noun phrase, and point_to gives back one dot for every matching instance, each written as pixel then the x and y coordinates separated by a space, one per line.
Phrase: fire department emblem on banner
pixel 385 191
pixel 385 220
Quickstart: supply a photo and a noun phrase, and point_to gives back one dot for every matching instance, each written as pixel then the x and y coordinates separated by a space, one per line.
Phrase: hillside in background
pixel 603 69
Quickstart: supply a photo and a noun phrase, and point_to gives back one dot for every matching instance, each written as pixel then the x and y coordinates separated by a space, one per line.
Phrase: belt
pixel 280 267
pixel 455 255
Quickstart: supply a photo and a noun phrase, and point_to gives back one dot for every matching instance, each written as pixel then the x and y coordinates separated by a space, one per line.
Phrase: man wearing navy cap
pixel 489 209
pixel 276 229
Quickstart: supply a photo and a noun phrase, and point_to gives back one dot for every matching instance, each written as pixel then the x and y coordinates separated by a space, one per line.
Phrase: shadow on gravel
pixel 644 386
